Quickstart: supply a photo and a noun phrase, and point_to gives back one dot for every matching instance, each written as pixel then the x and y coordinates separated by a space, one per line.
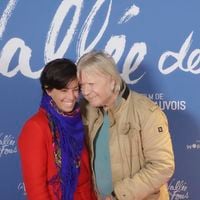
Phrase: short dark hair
pixel 57 74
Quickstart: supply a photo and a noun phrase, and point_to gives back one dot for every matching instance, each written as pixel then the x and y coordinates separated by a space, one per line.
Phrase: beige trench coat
pixel 141 153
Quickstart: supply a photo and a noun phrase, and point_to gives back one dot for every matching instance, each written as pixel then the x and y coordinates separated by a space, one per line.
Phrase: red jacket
pixel 38 163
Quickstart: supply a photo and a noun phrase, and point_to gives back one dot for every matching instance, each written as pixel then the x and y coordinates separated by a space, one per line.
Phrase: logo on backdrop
pixel 193 146
pixel 178 190
pixel 7 144
pixel 21 188
pixel 159 99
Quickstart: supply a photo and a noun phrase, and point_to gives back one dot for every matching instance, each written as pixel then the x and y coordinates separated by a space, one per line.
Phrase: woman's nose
pixel 72 94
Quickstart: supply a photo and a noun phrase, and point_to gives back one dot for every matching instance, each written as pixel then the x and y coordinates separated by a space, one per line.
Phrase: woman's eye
pixel 76 90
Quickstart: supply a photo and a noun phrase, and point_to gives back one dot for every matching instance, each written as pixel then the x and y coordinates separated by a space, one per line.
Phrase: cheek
pixel 107 89
pixel 76 97
pixel 105 92
pixel 54 97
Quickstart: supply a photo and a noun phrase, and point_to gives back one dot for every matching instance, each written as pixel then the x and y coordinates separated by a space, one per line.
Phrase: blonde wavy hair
pixel 100 61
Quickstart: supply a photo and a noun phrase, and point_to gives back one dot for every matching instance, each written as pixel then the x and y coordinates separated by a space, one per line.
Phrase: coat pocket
pixel 129 145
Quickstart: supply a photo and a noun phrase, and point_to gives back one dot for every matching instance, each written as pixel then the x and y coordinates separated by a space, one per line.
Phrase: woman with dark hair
pixel 55 161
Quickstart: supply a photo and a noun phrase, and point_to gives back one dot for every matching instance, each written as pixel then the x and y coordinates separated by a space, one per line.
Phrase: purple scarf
pixel 68 136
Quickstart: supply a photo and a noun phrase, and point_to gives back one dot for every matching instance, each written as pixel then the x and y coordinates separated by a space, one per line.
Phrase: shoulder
pixel 144 109
pixel 35 126
pixel 142 102
pixel 38 118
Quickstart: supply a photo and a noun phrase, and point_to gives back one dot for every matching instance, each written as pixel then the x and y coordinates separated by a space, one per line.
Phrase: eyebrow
pixel 67 87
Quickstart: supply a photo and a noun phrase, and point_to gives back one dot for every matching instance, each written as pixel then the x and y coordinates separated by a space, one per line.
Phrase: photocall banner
pixel 154 43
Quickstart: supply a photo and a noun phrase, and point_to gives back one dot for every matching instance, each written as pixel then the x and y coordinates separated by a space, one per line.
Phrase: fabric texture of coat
pixel 141 153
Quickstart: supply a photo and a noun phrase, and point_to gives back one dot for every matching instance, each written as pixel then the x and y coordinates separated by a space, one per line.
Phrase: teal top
pixel 102 159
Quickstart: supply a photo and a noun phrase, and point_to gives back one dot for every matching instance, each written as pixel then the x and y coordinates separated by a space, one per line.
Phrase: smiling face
pixel 97 88
pixel 65 98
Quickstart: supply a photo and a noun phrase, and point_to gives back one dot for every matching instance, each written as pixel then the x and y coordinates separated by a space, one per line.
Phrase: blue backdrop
pixel 155 44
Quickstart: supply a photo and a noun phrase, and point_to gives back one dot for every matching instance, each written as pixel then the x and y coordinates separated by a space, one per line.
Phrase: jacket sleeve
pixel 158 166
pixel 33 155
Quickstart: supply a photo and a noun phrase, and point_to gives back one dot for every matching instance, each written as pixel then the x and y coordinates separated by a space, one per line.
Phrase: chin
pixel 68 110
pixel 95 104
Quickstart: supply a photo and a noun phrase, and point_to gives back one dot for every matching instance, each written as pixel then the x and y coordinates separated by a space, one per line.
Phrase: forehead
pixel 73 83
pixel 92 76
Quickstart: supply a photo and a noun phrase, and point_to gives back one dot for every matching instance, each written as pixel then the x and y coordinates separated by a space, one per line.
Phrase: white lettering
pixel 6 15
pixel 171 105
pixel 115 45
pixel 7 145
pixel 21 187
pixel 9 50
pixel 112 46
pixel 192 63
pixel 81 46
pixel 132 61
pixel 179 58
pixel 55 27
pixel 178 190
pixel 132 11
